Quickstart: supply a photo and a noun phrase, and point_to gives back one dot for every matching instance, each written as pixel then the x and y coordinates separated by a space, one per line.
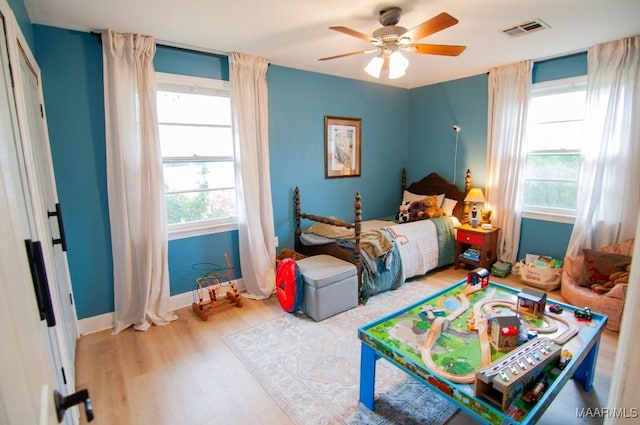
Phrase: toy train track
pixel 441 323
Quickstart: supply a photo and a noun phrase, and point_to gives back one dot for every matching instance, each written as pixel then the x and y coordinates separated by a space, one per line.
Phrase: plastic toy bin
pixel 330 286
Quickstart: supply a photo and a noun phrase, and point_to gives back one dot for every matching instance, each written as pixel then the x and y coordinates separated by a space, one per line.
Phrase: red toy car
pixel 555 308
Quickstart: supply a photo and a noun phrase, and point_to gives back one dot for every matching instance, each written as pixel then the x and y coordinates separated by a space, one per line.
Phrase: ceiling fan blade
pixel 432 26
pixel 359 52
pixel 436 49
pixel 354 33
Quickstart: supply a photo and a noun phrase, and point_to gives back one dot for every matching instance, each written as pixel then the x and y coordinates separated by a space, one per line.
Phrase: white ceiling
pixel 295 33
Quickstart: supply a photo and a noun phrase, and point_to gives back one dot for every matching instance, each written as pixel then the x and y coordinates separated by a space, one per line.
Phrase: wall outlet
pixel 276 241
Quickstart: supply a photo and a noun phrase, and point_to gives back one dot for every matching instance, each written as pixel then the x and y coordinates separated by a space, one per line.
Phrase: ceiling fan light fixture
pixel 398 65
pixel 375 66
pixel 391 40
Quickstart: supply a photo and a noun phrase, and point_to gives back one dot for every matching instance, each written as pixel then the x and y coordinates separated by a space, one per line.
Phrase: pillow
pixel 599 265
pixel 448 205
pixel 410 197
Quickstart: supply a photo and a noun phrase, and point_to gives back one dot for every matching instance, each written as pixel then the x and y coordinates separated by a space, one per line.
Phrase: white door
pixel 41 185
pixel 38 318
pixel 26 359
pixel 27 384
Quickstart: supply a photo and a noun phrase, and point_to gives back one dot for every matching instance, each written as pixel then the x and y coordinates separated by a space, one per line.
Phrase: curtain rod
pixel 177 46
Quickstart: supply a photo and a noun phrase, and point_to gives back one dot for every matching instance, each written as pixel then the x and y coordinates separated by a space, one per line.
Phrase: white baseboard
pixel 95 324
pixel 105 321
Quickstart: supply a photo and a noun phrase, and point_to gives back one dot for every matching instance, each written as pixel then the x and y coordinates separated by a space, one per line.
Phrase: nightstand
pixel 476 246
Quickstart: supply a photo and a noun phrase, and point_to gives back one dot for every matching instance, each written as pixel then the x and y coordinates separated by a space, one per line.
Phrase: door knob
pixel 63 403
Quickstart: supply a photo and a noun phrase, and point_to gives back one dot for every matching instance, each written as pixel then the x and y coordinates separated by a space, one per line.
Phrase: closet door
pixel 45 209
pixel 27 363
pixel 31 211
pixel 33 129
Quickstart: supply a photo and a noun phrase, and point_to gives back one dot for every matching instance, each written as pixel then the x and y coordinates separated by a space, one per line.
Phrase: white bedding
pixel 418 246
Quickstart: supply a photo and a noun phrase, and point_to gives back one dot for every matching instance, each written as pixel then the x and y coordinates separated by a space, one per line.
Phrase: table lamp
pixel 474 196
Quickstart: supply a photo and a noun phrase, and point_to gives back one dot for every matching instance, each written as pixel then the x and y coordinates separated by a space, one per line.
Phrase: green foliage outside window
pixel 204 204
pixel 182 208
pixel 551 180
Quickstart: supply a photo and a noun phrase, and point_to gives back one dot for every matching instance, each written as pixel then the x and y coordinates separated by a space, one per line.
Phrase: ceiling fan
pixel 390 40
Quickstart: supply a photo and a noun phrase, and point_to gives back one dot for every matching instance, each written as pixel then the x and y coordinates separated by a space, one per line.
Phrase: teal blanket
pixel 386 276
pixel 446 241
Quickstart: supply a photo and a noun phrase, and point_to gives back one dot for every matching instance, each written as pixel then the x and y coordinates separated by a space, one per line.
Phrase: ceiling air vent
pixel 526 28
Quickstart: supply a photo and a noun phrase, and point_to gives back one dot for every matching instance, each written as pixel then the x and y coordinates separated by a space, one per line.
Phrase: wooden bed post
pixel 296 213
pixel 467 188
pixel 467 181
pixel 357 226
pixel 404 183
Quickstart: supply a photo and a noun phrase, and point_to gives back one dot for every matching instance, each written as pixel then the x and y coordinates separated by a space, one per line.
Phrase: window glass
pixel 185 141
pixel 554 135
pixel 196 138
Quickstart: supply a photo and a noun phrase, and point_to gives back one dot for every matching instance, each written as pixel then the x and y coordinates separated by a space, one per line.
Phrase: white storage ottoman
pixel 330 286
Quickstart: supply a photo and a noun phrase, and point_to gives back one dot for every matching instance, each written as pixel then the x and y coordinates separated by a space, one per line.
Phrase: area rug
pixel 312 369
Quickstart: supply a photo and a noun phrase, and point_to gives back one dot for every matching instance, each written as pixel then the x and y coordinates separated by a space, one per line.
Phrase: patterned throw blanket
pixel 375 243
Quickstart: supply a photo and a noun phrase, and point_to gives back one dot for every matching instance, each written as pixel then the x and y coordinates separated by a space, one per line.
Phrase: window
pixel 196 138
pixel 554 135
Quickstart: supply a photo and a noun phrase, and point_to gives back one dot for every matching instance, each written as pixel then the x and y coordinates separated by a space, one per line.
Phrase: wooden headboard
pixel 434 184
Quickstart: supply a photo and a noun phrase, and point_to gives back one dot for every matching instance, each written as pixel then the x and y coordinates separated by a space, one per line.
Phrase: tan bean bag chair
pixel 610 303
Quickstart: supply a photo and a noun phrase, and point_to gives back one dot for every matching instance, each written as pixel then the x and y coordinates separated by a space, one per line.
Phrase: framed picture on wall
pixel 342 145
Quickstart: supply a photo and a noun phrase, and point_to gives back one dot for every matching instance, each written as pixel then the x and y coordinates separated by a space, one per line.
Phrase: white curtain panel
pixel 609 192
pixel 135 185
pixel 623 392
pixel 509 93
pixel 256 232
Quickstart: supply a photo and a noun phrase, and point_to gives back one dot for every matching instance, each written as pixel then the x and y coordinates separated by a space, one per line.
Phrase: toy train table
pixel 495 352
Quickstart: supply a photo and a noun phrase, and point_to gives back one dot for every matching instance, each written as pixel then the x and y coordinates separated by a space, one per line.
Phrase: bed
pixel 386 252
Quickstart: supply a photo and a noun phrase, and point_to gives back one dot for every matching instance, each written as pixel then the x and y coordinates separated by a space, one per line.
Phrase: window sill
pixel 557 218
pixel 208 229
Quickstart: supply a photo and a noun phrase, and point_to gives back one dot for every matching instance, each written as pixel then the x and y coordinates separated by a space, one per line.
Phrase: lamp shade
pixel 375 66
pixel 398 65
pixel 475 195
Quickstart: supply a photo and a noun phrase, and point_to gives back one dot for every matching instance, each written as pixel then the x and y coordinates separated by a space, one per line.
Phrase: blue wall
pixel 435 109
pixel 298 101
pixel 400 128
pixel 74 103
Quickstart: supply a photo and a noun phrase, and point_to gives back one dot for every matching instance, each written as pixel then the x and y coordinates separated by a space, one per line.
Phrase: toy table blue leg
pixel 368 358
pixel 587 369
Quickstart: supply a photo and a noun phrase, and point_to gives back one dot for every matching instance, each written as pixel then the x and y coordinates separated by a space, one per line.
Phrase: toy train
pixel 536 392
pixel 584 313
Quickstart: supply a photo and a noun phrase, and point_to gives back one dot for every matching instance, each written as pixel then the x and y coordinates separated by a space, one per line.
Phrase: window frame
pixel 186 83
pixel 560 215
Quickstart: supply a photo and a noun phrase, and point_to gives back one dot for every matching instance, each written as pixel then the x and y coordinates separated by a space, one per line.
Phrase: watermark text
pixel 607 412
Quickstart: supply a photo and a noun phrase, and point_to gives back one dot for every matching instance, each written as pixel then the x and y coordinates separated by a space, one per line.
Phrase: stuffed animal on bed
pixel 417 210
pixel 403 212
pixel 432 209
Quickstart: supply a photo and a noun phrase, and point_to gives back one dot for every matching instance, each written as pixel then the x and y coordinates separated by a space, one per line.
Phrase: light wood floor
pixel 184 373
